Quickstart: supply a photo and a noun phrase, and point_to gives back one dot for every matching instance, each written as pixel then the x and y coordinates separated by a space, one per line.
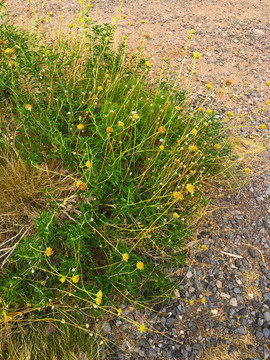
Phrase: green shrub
pixel 139 155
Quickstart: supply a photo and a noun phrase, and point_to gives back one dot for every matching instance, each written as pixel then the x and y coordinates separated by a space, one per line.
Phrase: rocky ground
pixel 232 274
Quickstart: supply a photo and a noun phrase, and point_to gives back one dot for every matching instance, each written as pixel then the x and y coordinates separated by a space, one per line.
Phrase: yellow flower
pixel 109 129
pixel 161 147
pixel 177 108
pixel 192 31
pixel 263 126
pixel 241 115
pixel 191 301
pixel 196 55
pixel 147 36
pixel 162 129
pixel 8 51
pixel 201 108
pixel 51 13
pixel 98 301
pixel 81 185
pixel 70 25
pixel 140 265
pixel 88 164
pixel 28 107
pixel 203 300
pixel 49 251
pixel 124 16
pixel 100 88
pixel 247 170
pixel 124 37
pixel 267 102
pixel 125 257
pixel 62 280
pixel 131 23
pixel 142 21
pixel 99 294
pixel 209 111
pixel 178 196
pixel 228 83
pixel 190 188
pixel 208 86
pixel 194 131
pixel 240 156
pixel 135 116
pixel 120 123
pixel 230 113
pixel 176 215
pixel 148 64
pixel 193 148
pixel 203 247
pixel 263 109
pixel 142 328
pixel 75 278
pixel 119 311
pixel 217 146
pixel 268 83
pixel 80 126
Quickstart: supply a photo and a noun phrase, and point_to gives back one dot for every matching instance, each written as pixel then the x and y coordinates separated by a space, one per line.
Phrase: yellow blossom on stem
pixel 98 301
pixel 148 64
pixel 100 88
pixel 247 170
pixel 49 251
pixel 109 129
pixel 176 215
pixel 267 102
pixel 161 147
pixel 178 196
pixel 28 107
pixel 177 108
pixel 162 129
pixel 263 126
pixel 81 185
pixel 192 31
pixel 99 294
pixel 190 188
pixel 196 55
pixel 209 111
pixel 125 257
pixel 62 279
pixel 194 131
pixel 124 16
pixel 217 146
pixel 208 86
pixel 88 164
pixel 203 300
pixel 75 278
pixel 8 51
pixel 142 21
pixel 80 126
pixel 228 83
pixel 193 148
pixel 140 265
pixel 230 113
pixel 119 311
pixel 203 247
pixel 201 108
pixel 135 116
pixel 120 123
pixel 124 37
pixel 268 83
pixel 147 36
pixel 191 301
pixel 70 25
pixel 142 328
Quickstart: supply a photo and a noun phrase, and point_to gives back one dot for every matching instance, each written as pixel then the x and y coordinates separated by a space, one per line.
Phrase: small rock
pixel 214 311
pixel 189 274
pixel 240 330
pixel 219 284
pixel 233 302
pixel 266 333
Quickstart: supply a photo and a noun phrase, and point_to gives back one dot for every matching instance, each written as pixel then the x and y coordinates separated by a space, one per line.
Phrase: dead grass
pixel 220 352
